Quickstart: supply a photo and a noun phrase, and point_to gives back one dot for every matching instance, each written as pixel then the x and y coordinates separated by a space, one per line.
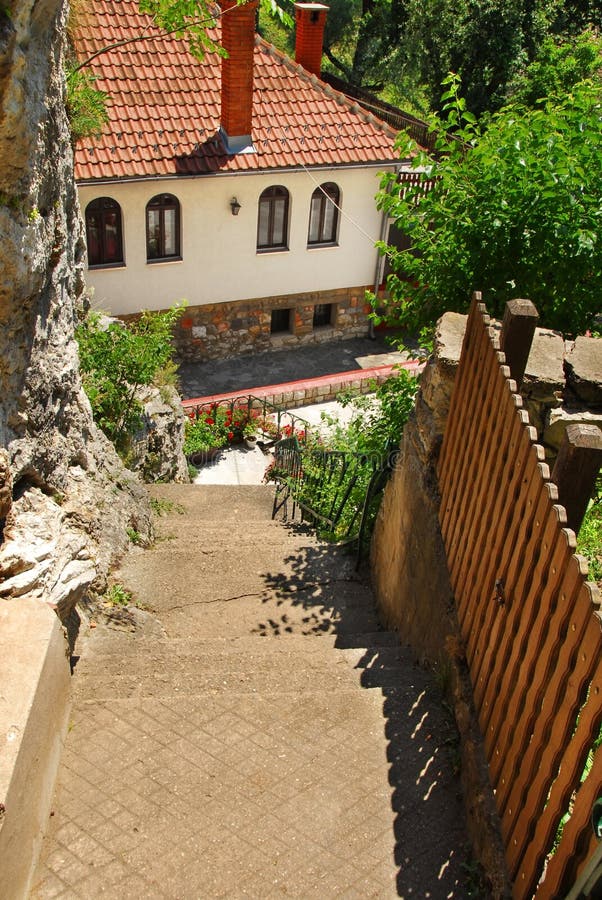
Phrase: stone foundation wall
pixel 221 330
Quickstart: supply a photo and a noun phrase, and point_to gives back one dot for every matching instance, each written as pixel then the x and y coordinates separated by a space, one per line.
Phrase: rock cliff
pixel 72 500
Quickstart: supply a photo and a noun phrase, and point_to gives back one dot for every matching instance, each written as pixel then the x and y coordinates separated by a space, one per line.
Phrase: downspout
pixel 380 260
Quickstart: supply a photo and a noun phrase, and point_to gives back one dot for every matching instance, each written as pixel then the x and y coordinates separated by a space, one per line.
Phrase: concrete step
pixel 224 503
pixel 298 654
pixel 263 680
pixel 108 642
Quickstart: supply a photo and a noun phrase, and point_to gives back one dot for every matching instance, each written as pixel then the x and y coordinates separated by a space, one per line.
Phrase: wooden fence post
pixel 516 337
pixel 577 465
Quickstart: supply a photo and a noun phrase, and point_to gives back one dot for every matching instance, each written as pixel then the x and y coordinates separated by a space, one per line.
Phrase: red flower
pixel 209 421
pixel 230 435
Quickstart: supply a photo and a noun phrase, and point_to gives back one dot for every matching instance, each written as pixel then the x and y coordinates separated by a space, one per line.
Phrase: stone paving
pixel 242 373
pixel 257 734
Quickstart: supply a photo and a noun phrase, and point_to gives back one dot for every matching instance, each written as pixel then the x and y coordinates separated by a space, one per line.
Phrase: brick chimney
pixel 238 39
pixel 310 19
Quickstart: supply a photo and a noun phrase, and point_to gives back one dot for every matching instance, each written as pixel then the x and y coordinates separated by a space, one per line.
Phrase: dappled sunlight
pixel 318 593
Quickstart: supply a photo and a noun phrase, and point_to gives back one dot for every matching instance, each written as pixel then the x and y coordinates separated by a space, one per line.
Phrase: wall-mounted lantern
pixel 234 206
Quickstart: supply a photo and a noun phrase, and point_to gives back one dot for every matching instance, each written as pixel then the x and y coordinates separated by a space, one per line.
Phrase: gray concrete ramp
pixel 262 736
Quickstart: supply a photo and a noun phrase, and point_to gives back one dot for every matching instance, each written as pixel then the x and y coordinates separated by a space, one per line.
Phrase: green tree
pixel 190 20
pixel 361 39
pixel 514 212
pixel 558 65
pixel 486 42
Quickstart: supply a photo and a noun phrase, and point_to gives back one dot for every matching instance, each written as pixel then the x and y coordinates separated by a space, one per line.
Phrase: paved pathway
pixel 261 735
pixel 242 373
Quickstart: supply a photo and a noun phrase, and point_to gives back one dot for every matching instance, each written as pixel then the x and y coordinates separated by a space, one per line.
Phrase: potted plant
pixel 204 438
pixel 250 434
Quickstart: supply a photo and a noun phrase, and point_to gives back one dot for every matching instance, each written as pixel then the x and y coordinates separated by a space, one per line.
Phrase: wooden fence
pixel 529 620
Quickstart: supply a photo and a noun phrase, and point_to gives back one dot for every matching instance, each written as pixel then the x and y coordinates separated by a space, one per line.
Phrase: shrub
pixel 116 360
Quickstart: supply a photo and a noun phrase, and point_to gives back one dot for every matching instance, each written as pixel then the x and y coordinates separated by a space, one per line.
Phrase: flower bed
pixel 208 430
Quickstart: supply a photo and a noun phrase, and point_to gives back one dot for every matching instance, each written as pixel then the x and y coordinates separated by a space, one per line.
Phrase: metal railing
pixel 336 492
pixel 271 422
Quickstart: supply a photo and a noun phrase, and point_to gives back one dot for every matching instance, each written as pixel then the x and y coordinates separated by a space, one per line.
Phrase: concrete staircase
pixel 257 734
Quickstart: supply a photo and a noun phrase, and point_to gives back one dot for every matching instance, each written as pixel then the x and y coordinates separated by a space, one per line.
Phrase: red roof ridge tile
pixel 326 88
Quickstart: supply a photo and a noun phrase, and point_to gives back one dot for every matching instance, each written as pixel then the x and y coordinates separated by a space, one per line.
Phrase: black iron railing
pixel 270 423
pixel 336 492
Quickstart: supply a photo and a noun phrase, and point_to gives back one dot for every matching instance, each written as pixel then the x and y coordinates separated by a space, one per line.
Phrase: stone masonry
pixel 219 330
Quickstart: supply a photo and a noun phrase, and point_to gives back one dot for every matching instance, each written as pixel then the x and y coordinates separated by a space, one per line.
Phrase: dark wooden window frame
pixel 163 203
pixel 328 192
pixel 267 206
pixel 103 208
pixel 323 315
pixel 280 320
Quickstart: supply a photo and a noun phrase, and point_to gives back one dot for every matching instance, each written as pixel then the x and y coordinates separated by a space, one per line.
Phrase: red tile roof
pixel 164 108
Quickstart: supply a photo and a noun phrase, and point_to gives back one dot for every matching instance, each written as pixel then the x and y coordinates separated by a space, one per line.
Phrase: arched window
pixel 272 226
pixel 324 215
pixel 103 232
pixel 163 227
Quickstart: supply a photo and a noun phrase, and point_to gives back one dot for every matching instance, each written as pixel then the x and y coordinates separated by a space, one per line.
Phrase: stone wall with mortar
pixel 409 567
pixel 221 330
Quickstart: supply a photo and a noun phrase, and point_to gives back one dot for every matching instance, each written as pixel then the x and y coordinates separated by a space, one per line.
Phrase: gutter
pixel 293 170
pixel 380 260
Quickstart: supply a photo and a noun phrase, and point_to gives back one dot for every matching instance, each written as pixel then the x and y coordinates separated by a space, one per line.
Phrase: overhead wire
pixel 318 185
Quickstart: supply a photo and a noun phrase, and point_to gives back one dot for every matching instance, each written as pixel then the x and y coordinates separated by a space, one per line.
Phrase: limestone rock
pixel 51 549
pixel 583 366
pixel 43 557
pixel 559 419
pixel 158 452
pixel 6 486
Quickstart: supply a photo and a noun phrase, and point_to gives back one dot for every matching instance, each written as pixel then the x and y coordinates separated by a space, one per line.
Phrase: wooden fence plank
pixel 466 447
pixel 478 487
pixel 527 790
pixel 454 462
pixel 464 399
pixel 490 428
pixel 493 680
pixel 478 583
pixel 511 514
pixel 458 407
pixel 531 642
pixel 507 736
pixel 568 627
pixel 571 767
pixel 577 842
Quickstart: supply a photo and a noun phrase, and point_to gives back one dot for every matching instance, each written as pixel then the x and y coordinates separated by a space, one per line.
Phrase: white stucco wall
pixel 219 257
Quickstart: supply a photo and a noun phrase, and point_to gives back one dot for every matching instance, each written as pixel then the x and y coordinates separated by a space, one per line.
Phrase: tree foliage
pixel 515 211
pixel 559 63
pixel 191 19
pixel 409 46
pixel 86 105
